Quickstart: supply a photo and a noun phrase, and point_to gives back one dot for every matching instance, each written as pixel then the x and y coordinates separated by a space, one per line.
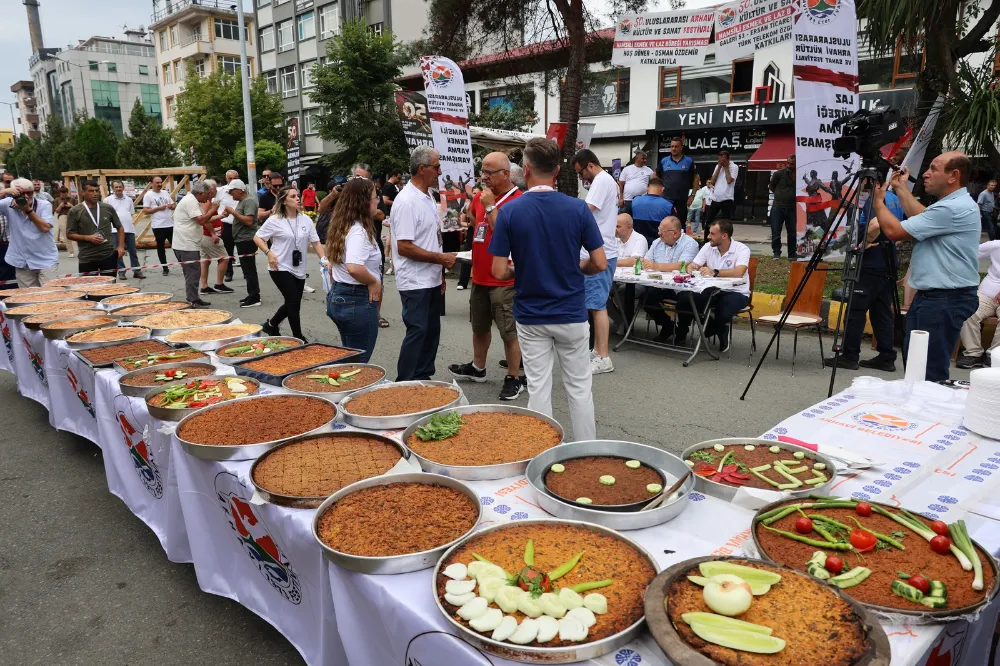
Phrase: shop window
pixel 607 94
pixel 670 87
pixel 741 89
pixel 508 96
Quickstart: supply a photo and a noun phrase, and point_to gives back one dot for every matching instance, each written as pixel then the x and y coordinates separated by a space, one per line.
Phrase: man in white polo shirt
pixel 633 181
pixel 723 184
pixel 720 257
pixel 125 208
pixel 224 198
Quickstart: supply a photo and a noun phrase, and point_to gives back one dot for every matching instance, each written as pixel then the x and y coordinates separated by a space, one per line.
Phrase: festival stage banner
pixel 411 106
pixel 447 109
pixel 672 39
pixel 743 27
pixel 825 67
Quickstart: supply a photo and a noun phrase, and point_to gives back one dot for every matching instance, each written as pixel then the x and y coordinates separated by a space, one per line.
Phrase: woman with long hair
pixel 353 301
pixel 291 233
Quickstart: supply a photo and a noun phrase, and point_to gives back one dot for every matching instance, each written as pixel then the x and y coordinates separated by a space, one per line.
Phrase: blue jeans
pixel 133 256
pixel 940 312
pixel 422 317
pixel 782 216
pixel 356 318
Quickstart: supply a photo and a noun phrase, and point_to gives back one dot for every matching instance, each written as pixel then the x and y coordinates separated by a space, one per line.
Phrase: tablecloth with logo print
pixel 7 356
pixel 72 392
pixel 29 363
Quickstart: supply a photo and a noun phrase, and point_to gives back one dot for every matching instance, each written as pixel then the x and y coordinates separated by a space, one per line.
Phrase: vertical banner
pixel 557 132
pixel 673 39
pixel 743 27
pixel 292 149
pixel 411 106
pixel 825 67
pixel 915 156
pixel 584 135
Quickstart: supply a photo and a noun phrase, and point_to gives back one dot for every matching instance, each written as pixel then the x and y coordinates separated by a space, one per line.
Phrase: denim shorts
pixel 598 287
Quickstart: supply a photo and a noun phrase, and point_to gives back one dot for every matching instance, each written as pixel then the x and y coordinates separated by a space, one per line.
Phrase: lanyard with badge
pixel 296 252
pixel 97 227
pixel 480 236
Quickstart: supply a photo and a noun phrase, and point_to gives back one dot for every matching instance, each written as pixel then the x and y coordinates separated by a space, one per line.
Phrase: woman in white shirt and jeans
pixel 353 301
pixel 291 233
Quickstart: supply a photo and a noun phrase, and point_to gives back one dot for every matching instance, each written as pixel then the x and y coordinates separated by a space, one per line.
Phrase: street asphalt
pixel 82 581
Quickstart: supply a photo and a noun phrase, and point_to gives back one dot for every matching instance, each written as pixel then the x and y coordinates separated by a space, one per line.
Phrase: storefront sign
pixel 743 27
pixel 736 140
pixel 673 39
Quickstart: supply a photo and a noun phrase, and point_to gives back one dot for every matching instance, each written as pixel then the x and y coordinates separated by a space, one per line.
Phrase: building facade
pixel 204 33
pixel 27 113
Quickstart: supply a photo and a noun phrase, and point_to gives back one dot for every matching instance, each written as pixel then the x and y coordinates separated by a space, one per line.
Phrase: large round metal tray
pixel 165 414
pixel 91 307
pixel 539 655
pixel 337 396
pixel 244 451
pixel 110 343
pixel 82 325
pixel 59 316
pixel 397 420
pixel 395 564
pixel 232 360
pixel 212 345
pixel 141 391
pixel 479 472
pixel 727 493
pixel 21 291
pixel 91 288
pixel 161 297
pixel 79 281
pixel 301 502
pixel 121 370
pixel 682 654
pixel 29 299
pixel 160 332
pixel 667 463
pixel 927 616
pixel 136 317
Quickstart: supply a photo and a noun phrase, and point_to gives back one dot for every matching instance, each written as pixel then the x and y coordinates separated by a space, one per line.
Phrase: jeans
pixel 227 240
pixel 694 217
pixel 988 226
pixel 291 288
pixel 248 265
pixel 940 312
pixel 540 343
pixel 133 256
pixel 782 216
pixel 355 316
pixel 422 317
pixel 162 236
pixel 192 273
pixel 872 294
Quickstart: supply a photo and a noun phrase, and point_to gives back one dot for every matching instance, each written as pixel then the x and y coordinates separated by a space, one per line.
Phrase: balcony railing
pixel 191 39
pixel 119 49
pixel 175 6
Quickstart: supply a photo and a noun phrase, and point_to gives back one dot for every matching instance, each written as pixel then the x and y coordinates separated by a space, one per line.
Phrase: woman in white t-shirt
pixel 291 233
pixel 353 301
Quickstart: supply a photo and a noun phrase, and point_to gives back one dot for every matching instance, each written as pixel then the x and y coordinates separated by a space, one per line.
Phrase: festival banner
pixel 672 39
pixel 743 27
pixel 292 150
pixel 447 109
pixel 584 135
pixel 557 132
pixel 411 106
pixel 915 156
pixel 825 68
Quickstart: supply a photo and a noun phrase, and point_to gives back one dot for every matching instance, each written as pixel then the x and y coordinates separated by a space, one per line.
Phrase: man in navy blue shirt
pixel 650 209
pixel 680 178
pixel 542 232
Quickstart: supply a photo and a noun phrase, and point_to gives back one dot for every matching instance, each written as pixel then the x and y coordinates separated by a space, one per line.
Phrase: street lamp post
pixel 13 123
pixel 247 116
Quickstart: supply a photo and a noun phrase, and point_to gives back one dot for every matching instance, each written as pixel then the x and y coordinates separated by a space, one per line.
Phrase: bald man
pixel 491 301
pixel 631 247
pixel 944 268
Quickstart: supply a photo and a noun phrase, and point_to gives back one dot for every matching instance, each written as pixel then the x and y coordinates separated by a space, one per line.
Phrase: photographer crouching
pixel 944 268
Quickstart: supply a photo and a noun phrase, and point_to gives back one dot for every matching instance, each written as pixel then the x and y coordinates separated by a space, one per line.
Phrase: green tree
pixel 210 118
pixel 518 117
pixel 147 145
pixel 267 155
pixel 356 91
pixel 96 145
pixel 21 158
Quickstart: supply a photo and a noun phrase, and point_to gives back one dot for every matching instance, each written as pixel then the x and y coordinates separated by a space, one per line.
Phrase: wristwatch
pixel 490 209
pixel 715 273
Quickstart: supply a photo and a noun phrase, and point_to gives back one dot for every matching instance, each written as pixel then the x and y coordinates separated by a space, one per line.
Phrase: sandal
pixel 383 322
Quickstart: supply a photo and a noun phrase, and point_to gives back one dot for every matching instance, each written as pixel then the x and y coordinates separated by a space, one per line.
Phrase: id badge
pixel 480 236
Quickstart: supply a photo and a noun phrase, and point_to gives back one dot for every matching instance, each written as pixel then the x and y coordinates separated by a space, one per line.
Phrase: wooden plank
pixel 104 186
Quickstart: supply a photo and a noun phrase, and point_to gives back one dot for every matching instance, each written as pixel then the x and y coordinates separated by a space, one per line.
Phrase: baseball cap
pixel 237 184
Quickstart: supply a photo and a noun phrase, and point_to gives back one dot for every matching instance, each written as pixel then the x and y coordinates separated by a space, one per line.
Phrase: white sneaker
pixel 593 355
pixel 601 364
pixel 309 290
pixel 460 288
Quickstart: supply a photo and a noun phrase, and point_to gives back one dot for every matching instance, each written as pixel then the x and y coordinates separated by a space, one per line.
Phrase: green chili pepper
pixel 529 553
pixel 586 587
pixel 565 567
pixel 811 542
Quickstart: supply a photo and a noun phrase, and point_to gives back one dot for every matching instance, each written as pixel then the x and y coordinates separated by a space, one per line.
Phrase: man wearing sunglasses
pixel 266 201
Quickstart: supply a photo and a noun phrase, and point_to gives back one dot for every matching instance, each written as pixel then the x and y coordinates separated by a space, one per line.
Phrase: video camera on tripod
pixel 866 131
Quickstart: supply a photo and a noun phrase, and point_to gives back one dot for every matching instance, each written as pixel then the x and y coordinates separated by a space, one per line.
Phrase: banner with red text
pixel 411 106
pixel 743 27
pixel 447 109
pixel 671 39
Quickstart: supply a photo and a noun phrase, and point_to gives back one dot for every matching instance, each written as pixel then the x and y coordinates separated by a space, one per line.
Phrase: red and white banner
pixel 671 39
pixel 743 27
pixel 915 156
pixel 444 88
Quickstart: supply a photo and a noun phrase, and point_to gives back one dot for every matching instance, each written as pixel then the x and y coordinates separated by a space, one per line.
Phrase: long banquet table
pixel 264 556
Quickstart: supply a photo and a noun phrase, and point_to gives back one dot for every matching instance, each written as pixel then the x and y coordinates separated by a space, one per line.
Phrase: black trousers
pixel 291 288
pixel 465 268
pixel 680 210
pixel 725 306
pixel 6 270
pixel 726 208
pixel 648 229
pixel 162 236
pixel 105 266
pixel 227 240
pixel 248 265
pixel 422 317
pixel 872 295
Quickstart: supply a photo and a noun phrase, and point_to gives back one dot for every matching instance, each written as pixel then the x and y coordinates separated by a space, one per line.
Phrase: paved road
pixel 82 581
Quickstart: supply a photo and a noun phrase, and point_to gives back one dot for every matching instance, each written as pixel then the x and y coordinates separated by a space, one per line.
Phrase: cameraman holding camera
pixel 944 267
pixel 32 250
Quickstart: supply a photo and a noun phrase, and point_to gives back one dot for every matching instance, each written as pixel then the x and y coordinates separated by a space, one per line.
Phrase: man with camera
pixel 32 248
pixel 944 267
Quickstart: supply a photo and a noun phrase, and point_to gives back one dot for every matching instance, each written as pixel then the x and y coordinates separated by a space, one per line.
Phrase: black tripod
pixel 859 194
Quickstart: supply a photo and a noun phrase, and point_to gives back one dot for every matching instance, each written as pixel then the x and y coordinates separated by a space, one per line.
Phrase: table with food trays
pixel 208 505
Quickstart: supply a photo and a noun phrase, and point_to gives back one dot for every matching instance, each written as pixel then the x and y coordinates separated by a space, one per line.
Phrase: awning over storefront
pixel 500 139
pixel 773 152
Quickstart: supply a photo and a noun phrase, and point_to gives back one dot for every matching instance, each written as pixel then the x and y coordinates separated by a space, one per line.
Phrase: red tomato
pixel 941 544
pixel 803 525
pixel 170 373
pixel 334 375
pixel 940 527
pixel 920 583
pixel 834 564
pixel 208 383
pixel 863 540
pixel 197 403
pixel 863 509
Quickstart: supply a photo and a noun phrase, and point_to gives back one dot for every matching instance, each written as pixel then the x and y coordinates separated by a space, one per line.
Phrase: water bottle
pixel 683 267
pixel 638 266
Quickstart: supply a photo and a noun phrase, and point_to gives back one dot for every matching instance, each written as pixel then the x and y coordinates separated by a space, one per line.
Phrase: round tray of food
pixel 175 400
pixel 106 337
pixel 890 559
pixel 723 466
pixel 26 291
pixel 81 280
pixel 395 523
pixel 743 612
pixel 248 349
pixel 67 326
pixel 103 357
pixel 264 421
pixel 165 323
pixel 134 312
pixel 399 404
pixel 335 382
pixel 274 367
pixel 34 322
pixel 20 312
pixel 303 472
pixel 480 442
pixel 141 298
pixel 137 383
pixel 210 338
pixel 38 297
pixel 98 291
pixel 545 591
pixel 164 355
pixel 613 472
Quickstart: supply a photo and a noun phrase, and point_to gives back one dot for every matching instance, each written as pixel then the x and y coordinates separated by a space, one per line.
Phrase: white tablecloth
pixel 72 392
pixel 7 357
pixel 698 284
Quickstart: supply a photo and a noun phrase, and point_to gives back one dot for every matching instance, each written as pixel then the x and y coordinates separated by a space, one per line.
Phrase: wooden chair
pixel 748 309
pixel 807 309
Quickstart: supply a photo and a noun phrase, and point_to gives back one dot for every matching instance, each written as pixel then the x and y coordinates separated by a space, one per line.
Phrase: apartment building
pixel 27 113
pixel 202 32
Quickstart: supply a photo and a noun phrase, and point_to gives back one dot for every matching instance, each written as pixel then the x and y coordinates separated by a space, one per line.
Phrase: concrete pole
pixel 34 25
pixel 247 117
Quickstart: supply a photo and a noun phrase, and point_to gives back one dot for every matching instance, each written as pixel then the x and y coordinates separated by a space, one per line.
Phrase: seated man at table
pixel 631 247
pixel 721 257
pixel 668 251
pixel 649 208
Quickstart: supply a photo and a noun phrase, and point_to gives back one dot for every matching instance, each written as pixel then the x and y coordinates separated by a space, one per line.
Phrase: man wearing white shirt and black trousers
pixel 633 181
pixel 125 208
pixel 420 265
pixel 723 183
pixel 157 203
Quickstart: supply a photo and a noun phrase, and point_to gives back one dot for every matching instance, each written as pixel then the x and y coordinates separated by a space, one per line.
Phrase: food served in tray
pixel 880 555
pixel 55 316
pixel 320 466
pixel 153 378
pixel 264 419
pixel 151 308
pixel 258 347
pixel 160 357
pixel 545 584
pixel 49 308
pixel 111 334
pixel 334 380
pixel 83 279
pixel 396 519
pixel 603 480
pixel 740 613
pixel 768 467
pixel 102 291
pixel 25 291
pixel 298 359
pixel 132 299
pixel 184 318
pixel 105 355
pixel 395 400
pixel 210 333
pixel 199 393
pixel 481 438
pixel 88 322
pixel 44 297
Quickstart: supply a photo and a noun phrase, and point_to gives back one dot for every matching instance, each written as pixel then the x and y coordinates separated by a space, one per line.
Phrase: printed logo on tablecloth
pixel 5 331
pixel 255 538
pixel 626 657
pixel 36 363
pixel 138 446
pixel 430 647
pixel 77 384
pixel 821 12
pixel 884 422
